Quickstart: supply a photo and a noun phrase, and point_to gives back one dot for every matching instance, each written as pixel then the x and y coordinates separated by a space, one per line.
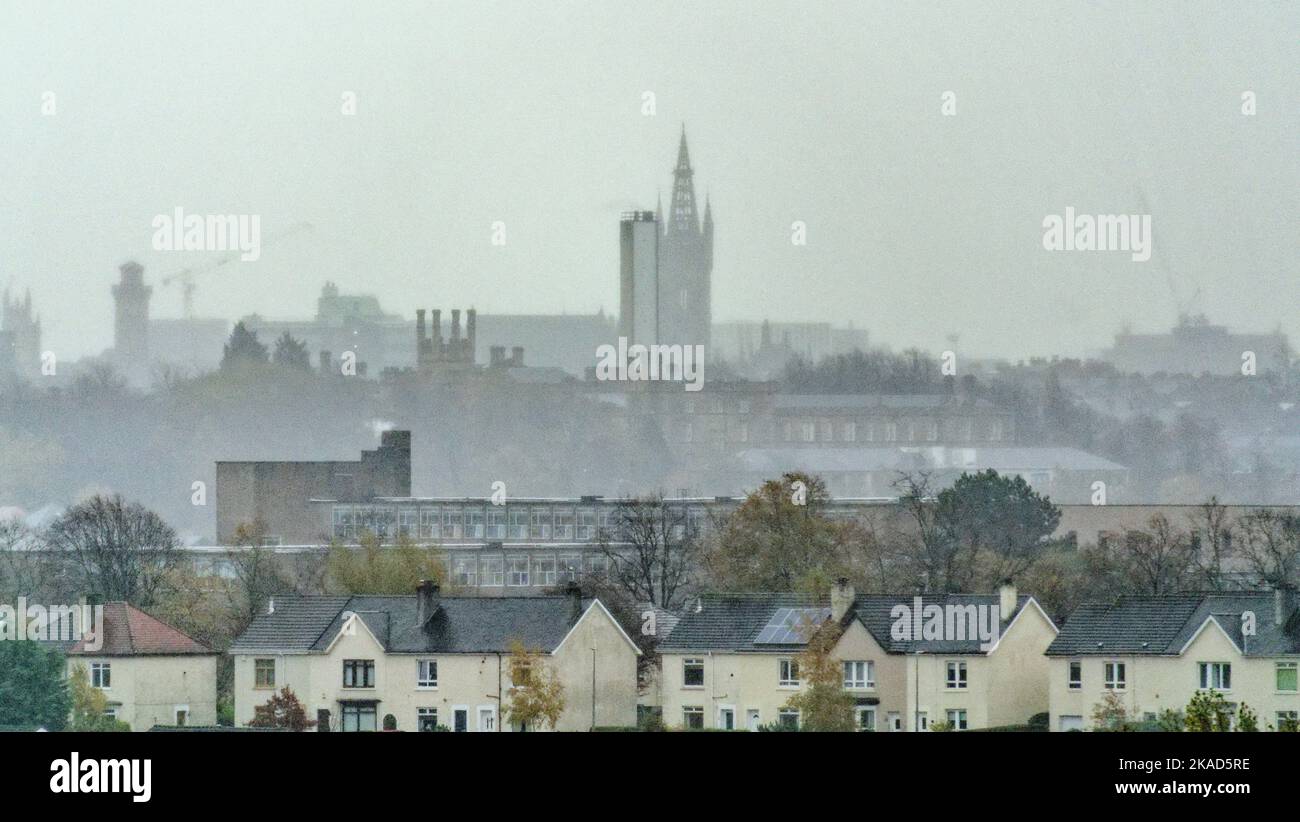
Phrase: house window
pixel 264 673
pixel 957 719
pixel 112 709
pixel 692 673
pixel 1288 721
pixel 426 675
pixel 493 571
pixel 464 571
pixel 693 717
pixel 359 673
pixel 788 718
pixel 426 720
pixel 597 564
pixel 866 719
pixel 517 572
pixel 859 674
pixel 1075 681
pixel 1216 676
pixel 789 677
pixel 1286 677
pixel 1115 676
pixel 359 717
pixel 956 675
pixel 101 675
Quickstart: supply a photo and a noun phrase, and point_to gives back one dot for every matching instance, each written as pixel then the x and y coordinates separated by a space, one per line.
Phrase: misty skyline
pixel 920 226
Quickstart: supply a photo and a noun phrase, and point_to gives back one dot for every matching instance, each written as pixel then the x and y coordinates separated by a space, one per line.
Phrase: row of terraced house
pixel 730 662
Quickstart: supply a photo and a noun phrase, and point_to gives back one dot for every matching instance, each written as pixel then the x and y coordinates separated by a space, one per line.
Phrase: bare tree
pixel 115 550
pixel 935 563
pixel 652 552
pixel 1158 560
pixel 1211 547
pixel 22 569
pixel 1270 544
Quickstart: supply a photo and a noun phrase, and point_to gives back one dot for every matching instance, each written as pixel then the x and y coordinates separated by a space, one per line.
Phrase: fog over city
pixel 919 226
pixel 594 365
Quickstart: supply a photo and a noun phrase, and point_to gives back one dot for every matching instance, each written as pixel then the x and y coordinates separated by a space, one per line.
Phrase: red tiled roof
pixel 128 631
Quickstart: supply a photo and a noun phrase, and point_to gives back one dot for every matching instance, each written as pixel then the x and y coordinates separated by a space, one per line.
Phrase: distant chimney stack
pixel 517 356
pixel 1006 600
pixel 842 596
pixel 1284 604
pixel 497 355
pixel 426 602
pixel 574 592
pixel 435 328
pixel 455 325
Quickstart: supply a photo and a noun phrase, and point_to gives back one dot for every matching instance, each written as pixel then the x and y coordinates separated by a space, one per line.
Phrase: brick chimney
pixel 426 602
pixel 517 356
pixel 471 320
pixel 455 325
pixel 496 355
pixel 842 596
pixel 1006 600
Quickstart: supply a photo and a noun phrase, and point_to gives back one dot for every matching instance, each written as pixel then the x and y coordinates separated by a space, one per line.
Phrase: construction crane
pixel 1184 305
pixel 185 276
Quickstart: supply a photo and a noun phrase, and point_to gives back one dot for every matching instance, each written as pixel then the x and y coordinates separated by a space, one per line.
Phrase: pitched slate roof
pixel 128 631
pixel 734 622
pixel 1163 625
pixel 309 624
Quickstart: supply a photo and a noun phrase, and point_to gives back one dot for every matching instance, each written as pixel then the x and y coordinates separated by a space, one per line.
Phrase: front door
pixel 751 719
pixel 727 719
pixel 461 720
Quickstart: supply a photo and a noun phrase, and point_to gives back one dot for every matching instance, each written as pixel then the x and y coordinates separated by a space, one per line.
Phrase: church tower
pixel 22 333
pixel 685 261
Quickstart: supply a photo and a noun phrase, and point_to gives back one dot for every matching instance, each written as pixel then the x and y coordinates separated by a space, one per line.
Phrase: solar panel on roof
pixel 789 626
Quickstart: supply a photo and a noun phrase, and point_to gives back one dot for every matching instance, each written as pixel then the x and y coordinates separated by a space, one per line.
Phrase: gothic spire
pixel 683 201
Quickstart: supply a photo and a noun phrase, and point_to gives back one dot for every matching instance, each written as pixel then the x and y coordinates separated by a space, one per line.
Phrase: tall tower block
pixel 131 320
pixel 638 315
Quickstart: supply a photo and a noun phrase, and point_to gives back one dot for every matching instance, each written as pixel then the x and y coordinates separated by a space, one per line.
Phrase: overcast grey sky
pixel 920 226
